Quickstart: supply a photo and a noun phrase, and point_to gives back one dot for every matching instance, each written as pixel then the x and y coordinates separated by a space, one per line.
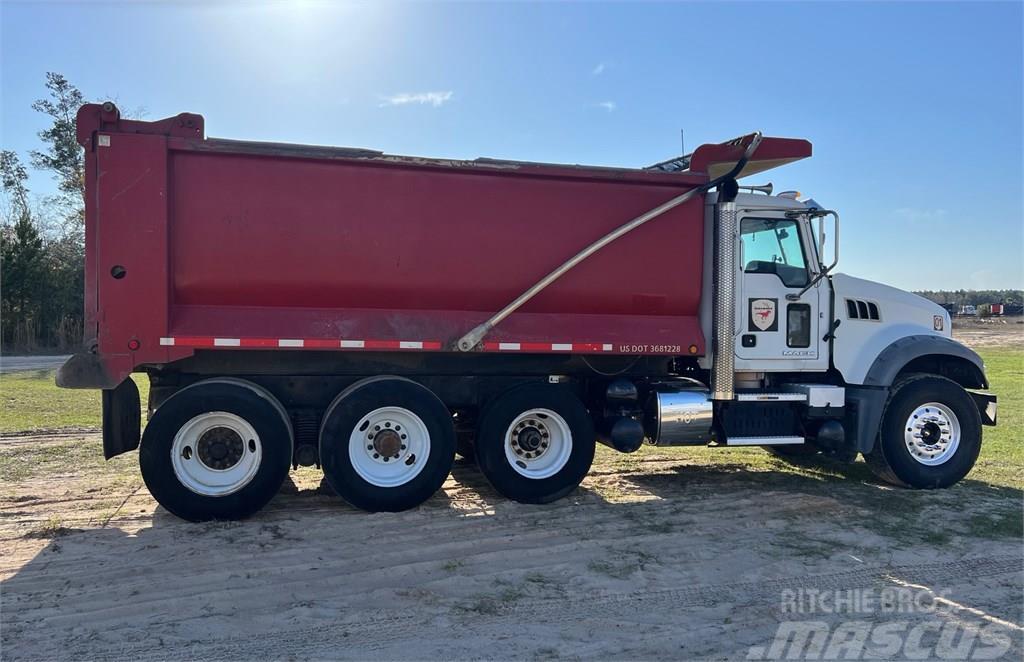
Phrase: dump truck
pixel 374 315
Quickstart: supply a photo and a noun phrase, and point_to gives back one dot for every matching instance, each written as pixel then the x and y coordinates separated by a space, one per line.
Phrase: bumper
pixel 986 403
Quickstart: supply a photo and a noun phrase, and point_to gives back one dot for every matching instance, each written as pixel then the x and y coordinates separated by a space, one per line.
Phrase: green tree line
pixel 974 297
pixel 42 252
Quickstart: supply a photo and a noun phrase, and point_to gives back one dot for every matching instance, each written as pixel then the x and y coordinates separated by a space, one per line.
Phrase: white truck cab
pixel 875 368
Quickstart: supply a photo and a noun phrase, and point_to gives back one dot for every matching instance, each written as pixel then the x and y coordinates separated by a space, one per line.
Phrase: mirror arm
pixel 824 270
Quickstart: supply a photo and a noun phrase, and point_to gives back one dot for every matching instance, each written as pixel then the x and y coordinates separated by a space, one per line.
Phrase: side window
pixel 772 246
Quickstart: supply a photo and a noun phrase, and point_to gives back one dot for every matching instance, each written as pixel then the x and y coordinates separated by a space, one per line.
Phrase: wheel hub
pixel 389 446
pixel 220 448
pixel 387 443
pixel 530 438
pixel 216 453
pixel 932 434
pixel 538 443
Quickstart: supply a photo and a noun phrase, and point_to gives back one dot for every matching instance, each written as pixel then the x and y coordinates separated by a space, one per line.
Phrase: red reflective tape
pixel 588 347
pixel 205 342
pixel 381 344
pixel 321 343
pixel 257 342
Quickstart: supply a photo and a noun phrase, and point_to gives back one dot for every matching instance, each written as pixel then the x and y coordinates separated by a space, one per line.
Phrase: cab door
pixel 774 333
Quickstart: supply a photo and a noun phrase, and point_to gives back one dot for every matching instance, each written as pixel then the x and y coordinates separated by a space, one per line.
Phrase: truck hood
pixel 895 306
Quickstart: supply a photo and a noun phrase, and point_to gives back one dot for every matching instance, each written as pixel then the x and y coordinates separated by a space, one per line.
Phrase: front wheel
pixel 535 443
pixel 930 434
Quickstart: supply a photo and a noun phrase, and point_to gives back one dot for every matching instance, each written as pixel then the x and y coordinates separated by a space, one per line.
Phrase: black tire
pixel 247 401
pixel 347 411
pixel 501 413
pixel 892 461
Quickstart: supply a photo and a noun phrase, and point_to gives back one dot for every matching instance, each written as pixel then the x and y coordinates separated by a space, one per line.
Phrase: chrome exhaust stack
pixel 724 320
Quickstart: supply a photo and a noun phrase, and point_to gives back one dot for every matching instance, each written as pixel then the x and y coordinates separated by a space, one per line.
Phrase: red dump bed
pixel 195 243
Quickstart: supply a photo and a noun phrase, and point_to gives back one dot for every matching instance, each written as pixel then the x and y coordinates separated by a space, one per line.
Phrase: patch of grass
pixel 32 401
pixel 451 565
pixel 1008 523
pixel 1002 450
pixel 51 528
pixel 24 461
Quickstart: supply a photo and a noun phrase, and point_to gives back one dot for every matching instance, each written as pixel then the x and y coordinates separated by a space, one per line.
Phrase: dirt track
pixel 656 557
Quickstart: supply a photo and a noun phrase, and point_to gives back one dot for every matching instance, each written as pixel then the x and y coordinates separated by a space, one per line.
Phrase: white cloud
pixel 598 70
pixel 920 215
pixel 435 99
pixel 607 105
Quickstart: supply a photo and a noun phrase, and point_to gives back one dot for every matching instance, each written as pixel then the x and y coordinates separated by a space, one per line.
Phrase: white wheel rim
pixel 932 434
pixel 216 453
pixel 389 446
pixel 538 443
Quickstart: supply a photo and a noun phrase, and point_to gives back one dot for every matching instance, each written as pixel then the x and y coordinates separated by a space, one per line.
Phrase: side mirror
pixel 824 264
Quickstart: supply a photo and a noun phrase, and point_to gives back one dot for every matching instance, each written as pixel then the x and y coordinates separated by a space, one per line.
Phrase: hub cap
pixel 216 453
pixel 389 446
pixel 932 434
pixel 538 443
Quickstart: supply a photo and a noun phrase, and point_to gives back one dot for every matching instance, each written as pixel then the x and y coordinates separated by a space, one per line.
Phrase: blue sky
pixel 915 110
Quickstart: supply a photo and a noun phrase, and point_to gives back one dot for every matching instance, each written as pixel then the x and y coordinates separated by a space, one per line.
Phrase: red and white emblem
pixel 762 313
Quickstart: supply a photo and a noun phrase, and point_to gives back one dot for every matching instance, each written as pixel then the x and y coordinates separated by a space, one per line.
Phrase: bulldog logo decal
pixel 762 315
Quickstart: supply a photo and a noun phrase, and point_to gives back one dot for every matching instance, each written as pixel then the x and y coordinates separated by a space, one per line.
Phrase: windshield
pixel 772 246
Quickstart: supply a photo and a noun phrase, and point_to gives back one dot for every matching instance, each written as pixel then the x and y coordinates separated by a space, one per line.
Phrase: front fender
pixel 900 353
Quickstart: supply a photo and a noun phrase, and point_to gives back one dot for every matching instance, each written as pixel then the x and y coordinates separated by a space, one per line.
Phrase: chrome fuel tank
pixel 678 417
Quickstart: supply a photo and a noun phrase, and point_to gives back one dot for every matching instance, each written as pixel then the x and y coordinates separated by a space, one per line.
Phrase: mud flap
pixel 122 419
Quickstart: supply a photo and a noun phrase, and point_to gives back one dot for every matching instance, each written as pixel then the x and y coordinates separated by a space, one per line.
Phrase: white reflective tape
pixel 287 342
pixel 410 344
pixel 359 344
pixel 168 342
pixel 104 141
pixel 509 346
pixel 561 347
pixel 607 347
pixel 226 342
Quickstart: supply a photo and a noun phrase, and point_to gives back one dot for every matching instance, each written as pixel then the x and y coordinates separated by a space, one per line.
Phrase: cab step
pixel 771 397
pixel 763 441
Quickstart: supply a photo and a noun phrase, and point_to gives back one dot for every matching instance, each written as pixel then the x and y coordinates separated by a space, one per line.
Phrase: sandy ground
pixel 658 559
pixel 657 556
pixel 1005 331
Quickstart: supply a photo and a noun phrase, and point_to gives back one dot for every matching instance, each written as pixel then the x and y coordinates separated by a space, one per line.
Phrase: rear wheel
pixel 930 434
pixel 535 443
pixel 387 444
pixel 218 449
